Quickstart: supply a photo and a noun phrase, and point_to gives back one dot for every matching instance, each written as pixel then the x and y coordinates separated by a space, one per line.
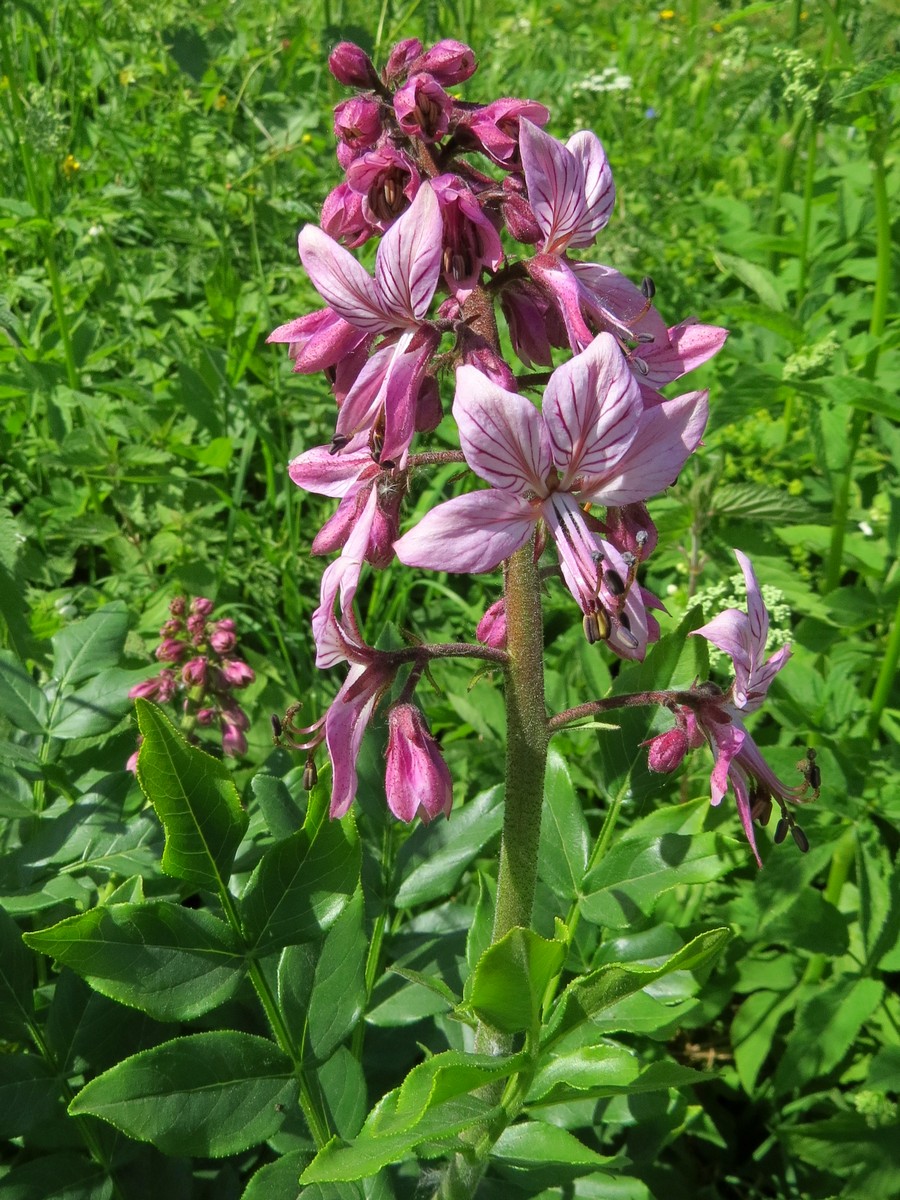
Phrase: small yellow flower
pixel 220 102
pixel 70 166
pixel 667 14
pixel 306 140
pixel 126 76
pixel 4 83
pixel 716 26
pixel 804 16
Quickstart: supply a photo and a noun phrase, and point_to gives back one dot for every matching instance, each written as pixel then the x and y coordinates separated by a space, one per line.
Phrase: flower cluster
pixel 481 215
pixel 200 673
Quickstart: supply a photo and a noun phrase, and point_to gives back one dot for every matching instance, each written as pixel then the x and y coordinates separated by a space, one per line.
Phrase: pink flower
pixel 223 637
pixel 196 672
pixel 387 179
pixel 395 303
pixel 742 636
pixel 423 108
pixel 592 443
pixel 352 66
pixel 234 744
pixel 357 122
pixel 491 629
pixel 449 62
pixel 236 673
pixel 471 241
pixel 417 781
pixel 401 59
pixel 494 129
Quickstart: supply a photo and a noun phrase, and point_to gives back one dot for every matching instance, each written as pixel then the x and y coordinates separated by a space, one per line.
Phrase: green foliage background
pixel 156 165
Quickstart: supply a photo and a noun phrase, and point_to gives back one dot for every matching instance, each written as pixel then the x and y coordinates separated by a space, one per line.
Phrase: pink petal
pixel 555 185
pixel 756 609
pixel 556 276
pixel 683 348
pixel 408 262
pixel 327 474
pixel 761 679
pixel 599 189
pixel 345 724
pixel 576 546
pixel 667 435
pixel 730 631
pixel 592 406
pixel 345 283
pixel 617 303
pixel 472 533
pixel 501 434
pixel 366 397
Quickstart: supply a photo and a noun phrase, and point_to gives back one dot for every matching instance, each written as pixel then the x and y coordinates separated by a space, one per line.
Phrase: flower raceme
pixel 593 443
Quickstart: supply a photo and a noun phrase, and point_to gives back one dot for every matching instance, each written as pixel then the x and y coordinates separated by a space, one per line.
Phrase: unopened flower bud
pixel 177 606
pixel 449 62
pixel 417 781
pixel 357 122
pixel 196 672
pixel 233 741
pixel 667 751
pixel 491 629
pixel 170 650
pixel 206 716
pixel 146 690
pixel 401 58
pixel 351 66
pixel 223 638
pixel 236 673
pixel 202 606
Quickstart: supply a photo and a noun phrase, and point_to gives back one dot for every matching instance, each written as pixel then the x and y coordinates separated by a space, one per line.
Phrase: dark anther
pixel 596 626
pixel 277 727
pixel 642 368
pixel 644 339
pixel 800 838
pixel 613 581
pixel 338 442
pixel 813 774
pixel 781 830
pixel 641 537
pixel 310 775
pixel 624 621
pixel 648 288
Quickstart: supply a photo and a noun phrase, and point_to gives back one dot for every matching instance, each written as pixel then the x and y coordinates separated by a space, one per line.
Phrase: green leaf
pixel 545 1153
pixel 626 884
pixel 278 1180
pixel 16 981
pixel 511 980
pixel 21 700
pixel 94 708
pixel 171 962
pixel 208 1095
pixel 195 799
pixel 826 1026
pixel 878 73
pixel 57 1177
pixel 753 502
pixel 592 1072
pixel 763 283
pixel 590 994
pixel 300 886
pixel 85 648
pixel 753 1032
pixel 343 1085
pixel 847 1146
pixel 29 1094
pixel 339 983
pixel 449 848
pixel 565 838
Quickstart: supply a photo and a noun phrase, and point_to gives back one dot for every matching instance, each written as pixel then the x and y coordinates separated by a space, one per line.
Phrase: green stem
pixel 527 736
pixel 526 746
pixel 809 178
pixel 877 323
pixel 310 1099
pixel 841 861
pixel 787 153
pixel 886 676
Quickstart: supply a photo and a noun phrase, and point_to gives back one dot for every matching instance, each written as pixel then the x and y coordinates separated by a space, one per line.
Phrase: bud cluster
pixel 200 673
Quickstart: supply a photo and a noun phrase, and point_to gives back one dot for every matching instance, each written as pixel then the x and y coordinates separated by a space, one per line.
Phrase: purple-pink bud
pixel 222 639
pixel 351 66
pixel 667 750
pixel 167 685
pixel 146 690
pixel 233 741
pixel 170 650
pixel 417 781
pixel 196 672
pixel 343 218
pixel 177 606
pixel 201 605
pixel 206 716
pixel 491 629
pixel 423 108
pixel 236 673
pixel 401 58
pixel 449 62
pixel 132 763
pixel 196 625
pixel 357 122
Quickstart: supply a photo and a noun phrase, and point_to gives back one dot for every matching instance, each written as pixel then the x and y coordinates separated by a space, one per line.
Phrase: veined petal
pixel 730 631
pixel 367 395
pixel 757 613
pixel 345 724
pixel 684 347
pixel 591 409
pixel 402 386
pixel 501 433
pixel 576 546
pixel 555 274
pixel 744 807
pixel 344 283
pixel 666 436
pixel 599 189
pixel 472 533
pixel 613 300
pixel 341 579
pixel 408 261
pixel 555 183
pixel 327 474
pixel 761 679
pixel 726 741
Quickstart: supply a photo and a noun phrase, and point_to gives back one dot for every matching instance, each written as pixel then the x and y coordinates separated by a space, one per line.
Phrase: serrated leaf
pixel 594 1072
pixel 760 281
pixel 533 1144
pixel 94 708
pixel 590 994
pixel 511 980
pixel 827 1023
pixel 171 962
pixel 881 72
pixel 208 1094
pixel 278 1180
pixel 16 981
pixel 29 1094
pixel 339 983
pixel 86 647
pixel 195 799
pixel 300 886
pixel 57 1177
pixel 748 501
